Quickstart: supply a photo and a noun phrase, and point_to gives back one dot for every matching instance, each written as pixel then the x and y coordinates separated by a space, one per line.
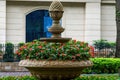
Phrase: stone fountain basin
pixel 55 70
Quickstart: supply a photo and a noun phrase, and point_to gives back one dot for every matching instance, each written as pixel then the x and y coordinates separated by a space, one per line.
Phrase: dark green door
pixel 36 25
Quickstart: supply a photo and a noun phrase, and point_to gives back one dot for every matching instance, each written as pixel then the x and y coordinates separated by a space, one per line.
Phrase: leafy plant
pixel 98 77
pixel 102 44
pixel 18 57
pixel 95 77
pixel 104 48
pixel 104 65
pixel 21 44
pixel 9 52
pixel 72 50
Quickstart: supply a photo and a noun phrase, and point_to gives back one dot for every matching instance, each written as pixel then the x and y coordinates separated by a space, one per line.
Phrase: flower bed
pixel 72 50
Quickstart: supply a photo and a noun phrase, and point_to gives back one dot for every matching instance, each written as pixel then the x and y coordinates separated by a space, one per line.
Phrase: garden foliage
pixel 97 78
pixel 102 44
pixel 37 50
pixel 104 65
pixel 113 77
pixel 9 52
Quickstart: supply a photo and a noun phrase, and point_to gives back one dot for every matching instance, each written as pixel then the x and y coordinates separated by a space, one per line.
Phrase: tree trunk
pixel 117 54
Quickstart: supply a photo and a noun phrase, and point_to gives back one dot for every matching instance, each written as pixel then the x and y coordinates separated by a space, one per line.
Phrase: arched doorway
pixel 37 24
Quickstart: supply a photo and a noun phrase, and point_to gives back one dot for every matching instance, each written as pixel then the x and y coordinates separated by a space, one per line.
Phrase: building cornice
pixel 108 1
pixel 61 0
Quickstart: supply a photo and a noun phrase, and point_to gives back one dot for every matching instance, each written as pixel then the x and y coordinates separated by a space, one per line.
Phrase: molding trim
pixel 61 0
pixel 108 1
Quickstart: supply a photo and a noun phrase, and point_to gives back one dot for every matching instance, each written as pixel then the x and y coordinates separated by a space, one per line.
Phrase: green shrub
pixel 97 78
pixel 102 44
pixel 21 44
pixel 9 52
pixel 104 65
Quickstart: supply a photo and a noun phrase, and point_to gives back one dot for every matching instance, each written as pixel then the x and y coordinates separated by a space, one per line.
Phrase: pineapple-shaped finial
pixel 56 6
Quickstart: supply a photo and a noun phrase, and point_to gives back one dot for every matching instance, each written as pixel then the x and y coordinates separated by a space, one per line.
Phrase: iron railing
pixel 3 52
pixel 106 52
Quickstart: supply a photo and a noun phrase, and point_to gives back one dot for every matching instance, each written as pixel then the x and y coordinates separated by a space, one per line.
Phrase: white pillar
pixel 2 21
pixel 92 21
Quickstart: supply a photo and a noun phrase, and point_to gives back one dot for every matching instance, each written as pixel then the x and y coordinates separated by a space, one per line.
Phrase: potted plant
pixel 51 59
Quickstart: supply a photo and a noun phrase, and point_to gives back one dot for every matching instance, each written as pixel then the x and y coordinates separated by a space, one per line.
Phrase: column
pixel 2 21
pixel 92 21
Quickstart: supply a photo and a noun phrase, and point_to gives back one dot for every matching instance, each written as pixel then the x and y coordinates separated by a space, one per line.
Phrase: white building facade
pixel 84 20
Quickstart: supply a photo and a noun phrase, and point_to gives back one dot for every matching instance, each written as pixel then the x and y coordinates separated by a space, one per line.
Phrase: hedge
pixel 103 65
pixel 97 77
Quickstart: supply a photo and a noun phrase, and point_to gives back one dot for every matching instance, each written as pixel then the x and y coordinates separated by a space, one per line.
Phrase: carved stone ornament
pixel 56 6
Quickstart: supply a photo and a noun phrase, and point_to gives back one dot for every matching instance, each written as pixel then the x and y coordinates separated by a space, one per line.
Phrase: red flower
pixel 24 46
pixel 21 49
pixel 78 55
pixel 40 47
pixel 92 51
pixel 33 42
pixel 30 49
pixel 17 53
pixel 74 40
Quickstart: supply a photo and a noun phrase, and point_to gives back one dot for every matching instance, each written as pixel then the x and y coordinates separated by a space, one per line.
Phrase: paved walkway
pixel 3 74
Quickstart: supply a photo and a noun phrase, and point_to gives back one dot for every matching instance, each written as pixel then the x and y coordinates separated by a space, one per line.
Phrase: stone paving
pixel 3 74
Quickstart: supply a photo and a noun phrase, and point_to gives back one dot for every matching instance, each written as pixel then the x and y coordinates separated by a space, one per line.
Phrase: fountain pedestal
pixel 55 70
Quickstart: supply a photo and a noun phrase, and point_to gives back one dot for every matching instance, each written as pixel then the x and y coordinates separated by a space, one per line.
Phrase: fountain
pixel 56 13
pixel 55 69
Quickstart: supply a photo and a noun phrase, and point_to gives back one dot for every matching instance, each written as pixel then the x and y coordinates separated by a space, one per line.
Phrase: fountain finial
pixel 56 6
pixel 56 13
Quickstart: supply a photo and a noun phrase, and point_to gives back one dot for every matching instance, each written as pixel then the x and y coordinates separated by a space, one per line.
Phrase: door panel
pixel 36 25
pixel 47 25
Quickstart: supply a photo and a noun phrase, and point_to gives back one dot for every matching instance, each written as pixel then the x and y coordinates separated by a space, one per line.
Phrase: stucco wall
pixel 72 21
pixel 82 21
pixel 2 21
pixel 108 23
pixel 16 13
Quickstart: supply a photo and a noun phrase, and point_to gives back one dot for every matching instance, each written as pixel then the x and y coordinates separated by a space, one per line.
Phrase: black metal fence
pixel 106 52
pixel 6 53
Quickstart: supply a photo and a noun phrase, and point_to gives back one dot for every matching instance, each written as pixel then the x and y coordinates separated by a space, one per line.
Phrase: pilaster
pixel 2 21
pixel 92 21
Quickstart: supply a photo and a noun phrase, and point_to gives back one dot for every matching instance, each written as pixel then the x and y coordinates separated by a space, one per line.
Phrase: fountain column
pixel 56 13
